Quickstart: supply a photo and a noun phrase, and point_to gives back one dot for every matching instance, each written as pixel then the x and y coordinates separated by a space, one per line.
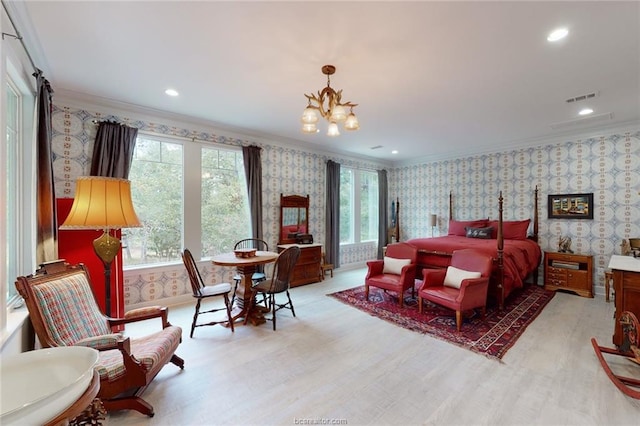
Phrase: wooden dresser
pixel 626 284
pixel 307 268
pixel 570 272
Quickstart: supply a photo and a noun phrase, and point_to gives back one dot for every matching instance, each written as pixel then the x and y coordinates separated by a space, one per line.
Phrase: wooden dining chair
pixel 202 291
pixel 280 282
pixel 259 274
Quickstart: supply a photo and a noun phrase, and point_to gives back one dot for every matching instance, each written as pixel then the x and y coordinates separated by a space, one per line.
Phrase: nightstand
pixel 570 272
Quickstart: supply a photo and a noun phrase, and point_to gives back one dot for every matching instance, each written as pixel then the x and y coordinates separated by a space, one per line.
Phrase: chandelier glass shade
pixel 328 104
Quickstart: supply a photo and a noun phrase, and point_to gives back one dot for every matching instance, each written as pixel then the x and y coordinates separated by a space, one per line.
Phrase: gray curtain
pixel 253 173
pixel 47 234
pixel 383 216
pixel 113 150
pixel 332 228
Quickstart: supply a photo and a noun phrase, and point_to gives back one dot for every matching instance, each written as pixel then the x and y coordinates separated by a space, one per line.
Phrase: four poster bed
pixel 515 254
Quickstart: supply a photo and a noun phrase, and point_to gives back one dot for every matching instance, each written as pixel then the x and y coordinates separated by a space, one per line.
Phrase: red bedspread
pixel 520 257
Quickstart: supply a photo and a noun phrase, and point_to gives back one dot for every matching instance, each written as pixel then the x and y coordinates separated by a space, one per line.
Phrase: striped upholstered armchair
pixel 64 312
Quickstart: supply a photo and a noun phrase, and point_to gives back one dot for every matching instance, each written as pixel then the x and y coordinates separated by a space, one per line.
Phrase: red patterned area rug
pixel 491 336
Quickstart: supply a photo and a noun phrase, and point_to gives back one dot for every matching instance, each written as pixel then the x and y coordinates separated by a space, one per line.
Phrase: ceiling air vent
pixel 582 97
pixel 376 147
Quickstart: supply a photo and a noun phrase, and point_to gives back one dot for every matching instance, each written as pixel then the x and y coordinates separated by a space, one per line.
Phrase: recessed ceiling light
pixel 171 92
pixel 558 34
pixel 395 151
pixel 585 111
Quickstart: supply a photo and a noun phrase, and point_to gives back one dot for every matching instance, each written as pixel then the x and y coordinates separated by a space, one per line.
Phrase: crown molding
pixel 107 106
pixel 564 137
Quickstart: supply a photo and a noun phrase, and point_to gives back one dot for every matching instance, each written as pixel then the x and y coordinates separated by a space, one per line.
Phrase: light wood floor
pixel 333 364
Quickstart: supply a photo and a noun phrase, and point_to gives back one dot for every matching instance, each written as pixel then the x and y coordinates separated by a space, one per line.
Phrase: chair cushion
pixel 215 290
pixel 394 266
pixel 149 350
pixel 69 309
pixel 455 276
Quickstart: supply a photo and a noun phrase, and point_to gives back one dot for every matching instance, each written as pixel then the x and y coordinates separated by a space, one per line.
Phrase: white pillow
pixel 394 266
pixel 455 276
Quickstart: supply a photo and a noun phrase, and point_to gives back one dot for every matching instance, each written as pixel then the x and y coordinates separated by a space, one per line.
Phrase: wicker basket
pixel 245 252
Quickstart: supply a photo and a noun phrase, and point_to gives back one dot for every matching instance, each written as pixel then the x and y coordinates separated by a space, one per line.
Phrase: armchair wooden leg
pixel 366 292
pixel 129 403
pixel 458 319
pixel 419 304
pixel 176 360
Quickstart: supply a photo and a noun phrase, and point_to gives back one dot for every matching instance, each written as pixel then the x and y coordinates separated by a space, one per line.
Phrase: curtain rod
pixel 152 133
pixel 359 168
pixel 147 132
pixel 17 36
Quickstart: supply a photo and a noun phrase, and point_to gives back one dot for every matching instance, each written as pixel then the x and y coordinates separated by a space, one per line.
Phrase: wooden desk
pixel 246 266
pixel 626 284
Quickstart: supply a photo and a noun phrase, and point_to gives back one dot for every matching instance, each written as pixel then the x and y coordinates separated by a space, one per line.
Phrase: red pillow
pixel 457 227
pixel 511 229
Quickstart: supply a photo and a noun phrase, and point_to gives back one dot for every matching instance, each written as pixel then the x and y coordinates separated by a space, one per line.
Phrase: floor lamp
pixel 103 203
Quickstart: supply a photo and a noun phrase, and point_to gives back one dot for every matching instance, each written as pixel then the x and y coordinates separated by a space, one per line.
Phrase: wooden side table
pixel 570 272
pixel 83 411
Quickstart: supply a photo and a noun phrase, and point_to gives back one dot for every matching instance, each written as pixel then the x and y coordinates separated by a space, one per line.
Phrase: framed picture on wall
pixel 570 206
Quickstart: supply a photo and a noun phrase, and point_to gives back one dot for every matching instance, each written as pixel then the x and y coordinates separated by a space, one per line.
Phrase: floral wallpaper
pixel 606 165
pixel 285 170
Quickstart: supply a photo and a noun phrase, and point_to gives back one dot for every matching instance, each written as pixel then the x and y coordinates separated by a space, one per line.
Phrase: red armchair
pixel 396 272
pixel 462 286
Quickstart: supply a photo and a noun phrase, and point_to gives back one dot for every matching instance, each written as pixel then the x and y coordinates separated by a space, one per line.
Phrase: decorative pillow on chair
pixel 455 276
pixel 484 233
pixel 394 266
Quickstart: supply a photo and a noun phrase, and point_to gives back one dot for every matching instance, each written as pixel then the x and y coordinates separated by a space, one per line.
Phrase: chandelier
pixel 328 103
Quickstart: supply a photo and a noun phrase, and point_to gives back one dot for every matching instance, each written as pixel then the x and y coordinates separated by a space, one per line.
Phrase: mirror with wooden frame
pixel 294 217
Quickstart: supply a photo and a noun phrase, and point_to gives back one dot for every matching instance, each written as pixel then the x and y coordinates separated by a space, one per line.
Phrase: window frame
pixel 355 213
pixel 191 193
pixel 15 71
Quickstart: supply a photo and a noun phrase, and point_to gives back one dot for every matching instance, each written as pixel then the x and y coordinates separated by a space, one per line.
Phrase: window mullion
pixel 357 213
pixel 192 198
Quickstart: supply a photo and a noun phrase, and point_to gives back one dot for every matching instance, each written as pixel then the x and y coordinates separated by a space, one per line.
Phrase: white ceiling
pixel 432 79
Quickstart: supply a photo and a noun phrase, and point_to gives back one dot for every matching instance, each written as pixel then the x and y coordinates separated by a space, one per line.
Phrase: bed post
pixel 500 255
pixel 450 205
pixel 535 229
pixel 535 214
pixel 397 230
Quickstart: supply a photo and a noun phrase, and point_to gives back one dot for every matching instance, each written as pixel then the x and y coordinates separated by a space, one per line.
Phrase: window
pixel 358 206
pixel 224 200
pixel 168 178
pixel 17 191
pixel 156 190
pixel 11 205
